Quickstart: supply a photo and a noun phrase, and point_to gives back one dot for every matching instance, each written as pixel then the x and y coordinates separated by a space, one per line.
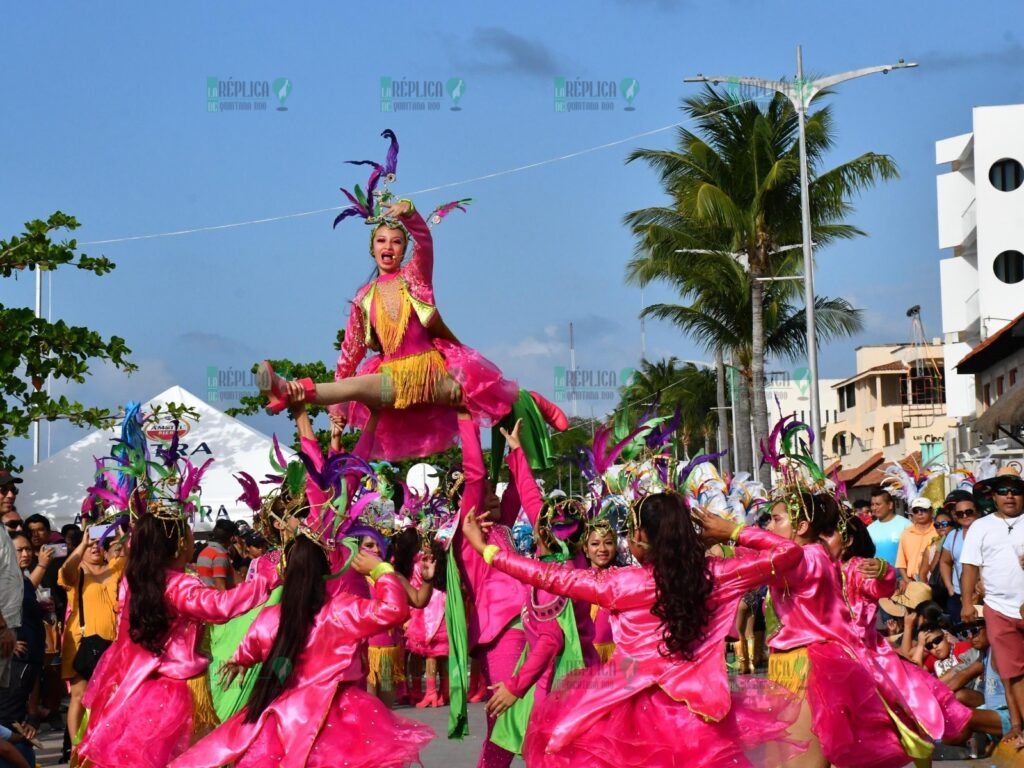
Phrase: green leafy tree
pixel 672 385
pixel 33 349
pixel 734 186
pixel 718 316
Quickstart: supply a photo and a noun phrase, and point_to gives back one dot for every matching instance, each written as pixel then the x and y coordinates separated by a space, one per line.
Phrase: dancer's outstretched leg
pixel 373 390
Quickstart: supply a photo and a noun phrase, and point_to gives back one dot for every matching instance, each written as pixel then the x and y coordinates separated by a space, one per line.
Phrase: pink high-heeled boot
pixel 273 387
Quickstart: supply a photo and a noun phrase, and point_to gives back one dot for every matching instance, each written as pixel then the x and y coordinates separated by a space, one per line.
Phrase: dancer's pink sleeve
pixel 360 617
pixel 539 658
pixel 613 589
pixel 773 556
pixel 197 601
pixel 528 492
pixel 419 272
pixel 353 348
pixel 472 468
pixel 255 646
pixel 875 589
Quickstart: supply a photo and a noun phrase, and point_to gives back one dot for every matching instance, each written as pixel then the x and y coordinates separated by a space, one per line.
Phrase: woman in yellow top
pixel 99 599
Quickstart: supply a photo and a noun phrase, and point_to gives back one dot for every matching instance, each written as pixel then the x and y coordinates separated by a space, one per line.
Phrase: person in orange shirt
pixel 915 540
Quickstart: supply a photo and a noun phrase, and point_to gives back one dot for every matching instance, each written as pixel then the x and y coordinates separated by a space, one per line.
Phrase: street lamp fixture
pixel 800 92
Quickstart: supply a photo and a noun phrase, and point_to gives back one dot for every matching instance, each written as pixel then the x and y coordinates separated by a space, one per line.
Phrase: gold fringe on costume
pixel 391 330
pixel 789 669
pixel 604 651
pixel 386 666
pixel 413 379
pixel 204 716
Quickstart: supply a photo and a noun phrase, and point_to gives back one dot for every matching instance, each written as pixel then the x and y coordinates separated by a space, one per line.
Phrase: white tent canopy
pixel 57 486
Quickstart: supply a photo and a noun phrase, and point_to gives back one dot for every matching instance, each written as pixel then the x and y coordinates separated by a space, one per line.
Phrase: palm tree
pixel 735 187
pixel 671 386
pixel 719 317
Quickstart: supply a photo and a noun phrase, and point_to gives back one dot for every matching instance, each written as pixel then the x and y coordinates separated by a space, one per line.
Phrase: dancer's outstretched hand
pixel 400 208
pixel 227 673
pixel 296 392
pixel 428 567
pixel 713 528
pixel 872 568
pixel 364 562
pixel 500 700
pixel 512 438
pixel 474 532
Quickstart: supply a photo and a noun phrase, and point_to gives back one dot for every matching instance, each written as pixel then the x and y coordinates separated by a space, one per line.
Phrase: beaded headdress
pixel 132 486
pixel 798 476
pixel 370 205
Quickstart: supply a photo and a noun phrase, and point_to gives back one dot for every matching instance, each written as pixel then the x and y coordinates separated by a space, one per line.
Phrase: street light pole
pixel 800 94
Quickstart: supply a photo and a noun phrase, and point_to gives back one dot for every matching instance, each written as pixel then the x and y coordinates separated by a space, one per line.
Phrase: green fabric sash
pixel 224 641
pixel 458 653
pixel 534 436
pixel 510 729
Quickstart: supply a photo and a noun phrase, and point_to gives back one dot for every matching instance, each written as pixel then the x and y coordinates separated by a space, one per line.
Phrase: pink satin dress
pixel 929 701
pixel 529 497
pixel 323 718
pixel 846 688
pixel 643 708
pixel 421 429
pixel 426 635
pixel 140 705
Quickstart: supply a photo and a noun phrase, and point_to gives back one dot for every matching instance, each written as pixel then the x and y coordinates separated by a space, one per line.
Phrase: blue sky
pixel 106 118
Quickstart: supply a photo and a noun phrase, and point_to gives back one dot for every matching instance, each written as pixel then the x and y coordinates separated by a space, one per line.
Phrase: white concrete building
pixel 790 393
pixel 980 217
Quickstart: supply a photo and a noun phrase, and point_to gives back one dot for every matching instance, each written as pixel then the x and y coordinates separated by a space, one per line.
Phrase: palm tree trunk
pixel 723 414
pixel 744 455
pixel 760 404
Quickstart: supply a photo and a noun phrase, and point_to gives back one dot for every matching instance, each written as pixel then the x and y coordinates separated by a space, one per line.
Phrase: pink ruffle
pixel 358 732
pixel 425 429
pixel 433 647
pixel 848 715
pixel 652 730
pixel 149 734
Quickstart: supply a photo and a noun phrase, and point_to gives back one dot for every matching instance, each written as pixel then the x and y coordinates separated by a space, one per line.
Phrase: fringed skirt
pixel 386 666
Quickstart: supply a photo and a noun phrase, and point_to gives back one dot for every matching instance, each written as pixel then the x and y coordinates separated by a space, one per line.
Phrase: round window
pixel 1009 266
pixel 1006 174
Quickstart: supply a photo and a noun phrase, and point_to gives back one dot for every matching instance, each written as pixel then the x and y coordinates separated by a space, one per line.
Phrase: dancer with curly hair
pixel 664 699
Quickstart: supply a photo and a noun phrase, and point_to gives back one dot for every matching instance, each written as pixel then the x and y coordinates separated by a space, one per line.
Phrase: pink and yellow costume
pixel 859 715
pixel 146 709
pixel 932 704
pixel 396 315
pixel 426 635
pixel 323 718
pixel 644 708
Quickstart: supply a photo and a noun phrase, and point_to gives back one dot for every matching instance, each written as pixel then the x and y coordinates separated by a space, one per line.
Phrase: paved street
pixel 443 753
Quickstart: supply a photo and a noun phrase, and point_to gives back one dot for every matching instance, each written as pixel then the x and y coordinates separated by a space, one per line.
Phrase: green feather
pixel 295 478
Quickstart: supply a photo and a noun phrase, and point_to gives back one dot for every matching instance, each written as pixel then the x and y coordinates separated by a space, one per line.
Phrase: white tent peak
pixel 57 486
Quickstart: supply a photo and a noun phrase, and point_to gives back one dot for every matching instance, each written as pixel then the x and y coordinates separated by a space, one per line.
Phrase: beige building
pixel 892 407
pixel 997 366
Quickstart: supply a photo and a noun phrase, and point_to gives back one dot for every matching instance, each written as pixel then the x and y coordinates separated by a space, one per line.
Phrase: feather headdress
pixel 369 205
